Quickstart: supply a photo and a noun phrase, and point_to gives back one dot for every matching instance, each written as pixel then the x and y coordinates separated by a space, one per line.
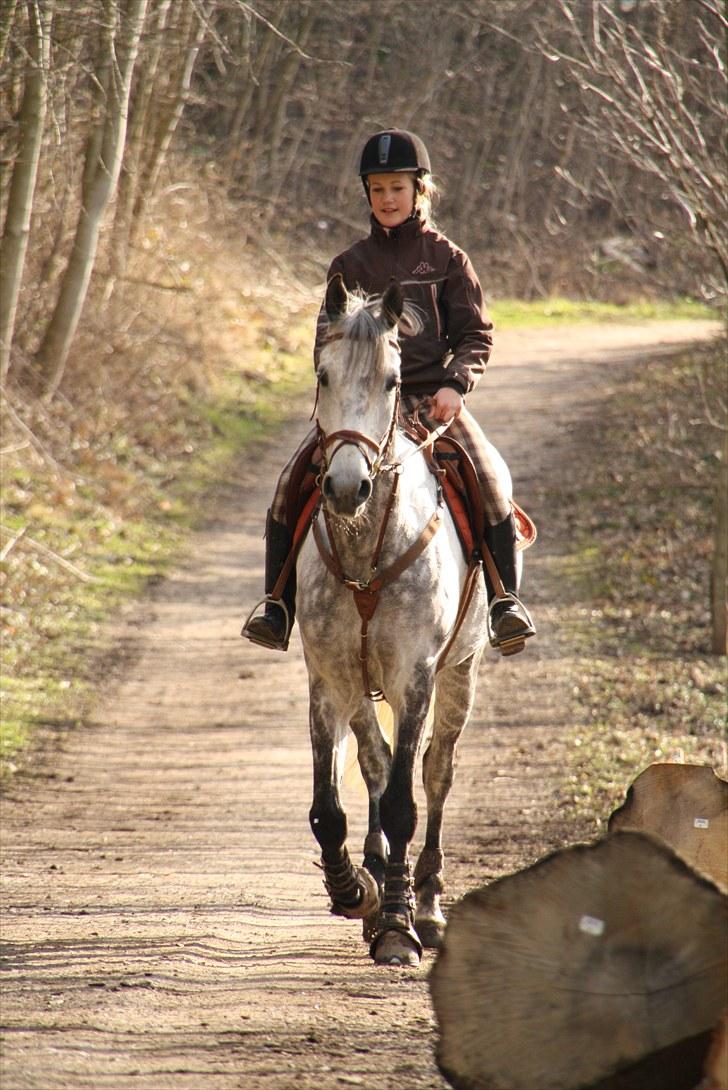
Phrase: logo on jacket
pixel 422 268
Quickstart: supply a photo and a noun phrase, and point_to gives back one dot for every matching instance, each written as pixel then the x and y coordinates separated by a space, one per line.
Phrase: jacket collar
pixel 411 228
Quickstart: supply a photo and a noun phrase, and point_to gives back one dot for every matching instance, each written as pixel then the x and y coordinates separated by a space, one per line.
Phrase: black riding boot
pixel 510 621
pixel 273 628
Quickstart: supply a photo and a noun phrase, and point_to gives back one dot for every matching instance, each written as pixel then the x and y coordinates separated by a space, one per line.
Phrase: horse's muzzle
pixel 345 498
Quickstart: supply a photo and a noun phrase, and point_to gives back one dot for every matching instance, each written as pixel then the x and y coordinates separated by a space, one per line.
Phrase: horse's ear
pixel 335 297
pixel 392 304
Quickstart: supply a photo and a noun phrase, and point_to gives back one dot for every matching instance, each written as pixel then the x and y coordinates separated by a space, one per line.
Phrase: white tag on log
pixel 701 823
pixel 591 925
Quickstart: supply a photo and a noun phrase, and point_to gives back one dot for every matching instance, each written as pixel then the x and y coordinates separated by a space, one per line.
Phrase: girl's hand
pixel 445 404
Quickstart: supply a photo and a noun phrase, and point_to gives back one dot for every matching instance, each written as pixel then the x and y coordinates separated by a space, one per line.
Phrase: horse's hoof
pixel 431 932
pixel 396 948
pixel 396 942
pixel 369 903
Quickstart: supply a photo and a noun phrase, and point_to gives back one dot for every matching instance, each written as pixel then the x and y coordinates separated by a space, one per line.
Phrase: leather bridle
pixel 347 437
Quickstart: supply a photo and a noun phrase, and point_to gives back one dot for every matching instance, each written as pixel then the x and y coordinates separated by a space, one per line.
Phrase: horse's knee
pixel 328 824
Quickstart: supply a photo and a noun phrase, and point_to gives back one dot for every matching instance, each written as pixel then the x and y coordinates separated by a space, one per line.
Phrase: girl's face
pixel 392 197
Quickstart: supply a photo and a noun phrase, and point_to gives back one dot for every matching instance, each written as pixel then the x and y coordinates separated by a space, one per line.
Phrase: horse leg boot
pixel 509 621
pixel 273 628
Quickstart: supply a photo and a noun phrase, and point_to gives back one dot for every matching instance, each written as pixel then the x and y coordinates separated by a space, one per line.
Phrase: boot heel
pixel 257 633
pixel 518 622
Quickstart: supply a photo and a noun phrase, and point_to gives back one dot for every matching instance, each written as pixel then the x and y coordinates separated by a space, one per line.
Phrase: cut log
pixel 687 807
pixel 579 971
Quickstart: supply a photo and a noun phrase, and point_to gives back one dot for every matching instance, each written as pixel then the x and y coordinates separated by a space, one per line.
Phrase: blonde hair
pixel 426 194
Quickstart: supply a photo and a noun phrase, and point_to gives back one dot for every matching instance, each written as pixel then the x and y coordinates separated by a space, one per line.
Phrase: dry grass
pixel 642 517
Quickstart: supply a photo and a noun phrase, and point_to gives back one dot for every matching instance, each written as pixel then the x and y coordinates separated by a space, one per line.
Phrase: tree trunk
pixel 719 572
pixel 192 32
pixel 141 112
pixel 25 172
pixel 7 14
pixel 601 966
pixel 687 807
pixel 101 171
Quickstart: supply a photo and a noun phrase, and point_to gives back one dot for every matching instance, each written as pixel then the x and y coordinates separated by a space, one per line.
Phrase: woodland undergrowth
pixel 640 513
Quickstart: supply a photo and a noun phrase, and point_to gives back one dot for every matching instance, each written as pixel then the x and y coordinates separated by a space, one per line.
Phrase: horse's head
pixel 358 379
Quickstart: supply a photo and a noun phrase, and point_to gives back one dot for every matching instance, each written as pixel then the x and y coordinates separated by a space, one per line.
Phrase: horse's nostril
pixel 365 490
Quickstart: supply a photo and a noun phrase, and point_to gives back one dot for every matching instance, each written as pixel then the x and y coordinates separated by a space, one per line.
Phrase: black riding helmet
pixel 393 151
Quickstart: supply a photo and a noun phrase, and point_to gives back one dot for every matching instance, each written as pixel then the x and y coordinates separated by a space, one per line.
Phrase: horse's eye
pixel 323 378
pixel 391 382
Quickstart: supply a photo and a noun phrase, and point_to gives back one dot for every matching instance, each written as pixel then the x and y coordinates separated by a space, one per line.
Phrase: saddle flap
pixel 462 480
pixel 302 481
pixel 526 532
pixel 463 497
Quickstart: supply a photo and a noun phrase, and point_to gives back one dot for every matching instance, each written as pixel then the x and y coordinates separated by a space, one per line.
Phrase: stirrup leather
pixel 265 601
pixel 512 644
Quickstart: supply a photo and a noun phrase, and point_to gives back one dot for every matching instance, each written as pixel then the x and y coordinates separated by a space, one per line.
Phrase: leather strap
pixel 466 596
pixel 493 573
pixel 374 586
pixel 307 515
pixel 366 595
pixel 352 438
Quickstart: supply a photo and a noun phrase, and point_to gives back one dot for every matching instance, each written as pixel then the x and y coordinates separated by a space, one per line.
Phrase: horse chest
pixel 408 621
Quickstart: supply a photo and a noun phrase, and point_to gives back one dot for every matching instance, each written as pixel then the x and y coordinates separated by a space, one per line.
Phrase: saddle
pixel 453 470
pixel 453 467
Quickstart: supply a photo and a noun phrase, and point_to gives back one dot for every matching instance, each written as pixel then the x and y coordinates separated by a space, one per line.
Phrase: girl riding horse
pixel 442 361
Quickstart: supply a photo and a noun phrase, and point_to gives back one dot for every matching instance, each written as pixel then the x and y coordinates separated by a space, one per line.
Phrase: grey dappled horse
pixel 385 630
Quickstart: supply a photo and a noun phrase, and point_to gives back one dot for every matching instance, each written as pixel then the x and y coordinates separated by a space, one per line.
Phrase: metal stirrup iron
pixel 267 599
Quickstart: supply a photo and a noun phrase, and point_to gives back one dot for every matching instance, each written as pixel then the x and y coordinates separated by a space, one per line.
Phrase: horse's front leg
pixel 353 891
pixel 396 942
pixel 375 762
pixel 453 704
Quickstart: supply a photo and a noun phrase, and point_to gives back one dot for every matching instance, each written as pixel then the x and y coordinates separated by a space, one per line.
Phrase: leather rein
pixel 366 592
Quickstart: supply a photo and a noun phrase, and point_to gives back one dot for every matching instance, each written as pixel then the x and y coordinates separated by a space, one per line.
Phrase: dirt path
pixel 163 923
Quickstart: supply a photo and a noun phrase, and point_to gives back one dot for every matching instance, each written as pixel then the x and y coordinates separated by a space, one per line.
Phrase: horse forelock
pixel 363 328
pixel 363 324
pixel 363 317
pixel 362 320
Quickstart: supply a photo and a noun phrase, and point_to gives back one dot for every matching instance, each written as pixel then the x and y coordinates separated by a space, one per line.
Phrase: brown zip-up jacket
pixel 438 278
